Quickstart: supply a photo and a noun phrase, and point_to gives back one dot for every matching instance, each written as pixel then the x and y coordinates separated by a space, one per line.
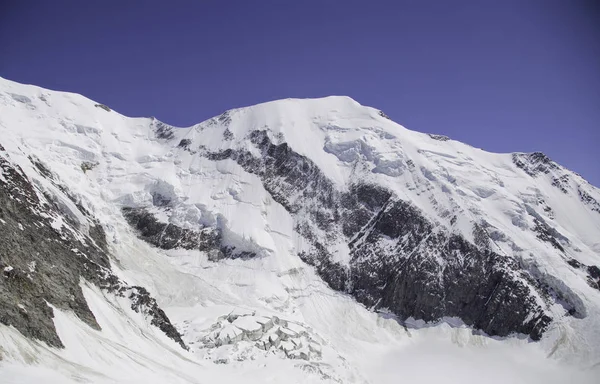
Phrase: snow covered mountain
pixel 291 241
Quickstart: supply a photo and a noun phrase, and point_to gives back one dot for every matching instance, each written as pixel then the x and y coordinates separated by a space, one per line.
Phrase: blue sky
pixel 504 76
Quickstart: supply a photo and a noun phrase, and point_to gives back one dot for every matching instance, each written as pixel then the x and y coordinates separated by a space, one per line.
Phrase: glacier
pixel 309 240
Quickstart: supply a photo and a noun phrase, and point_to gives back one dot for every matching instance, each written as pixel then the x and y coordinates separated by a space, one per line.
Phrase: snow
pixel 349 143
pixel 247 323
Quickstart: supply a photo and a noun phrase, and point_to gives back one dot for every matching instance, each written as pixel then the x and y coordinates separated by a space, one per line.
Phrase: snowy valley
pixel 296 241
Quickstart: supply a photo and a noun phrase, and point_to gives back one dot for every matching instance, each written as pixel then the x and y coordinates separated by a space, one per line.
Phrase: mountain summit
pixel 291 233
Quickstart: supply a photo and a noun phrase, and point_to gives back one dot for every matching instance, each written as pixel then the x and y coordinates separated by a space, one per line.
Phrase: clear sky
pixel 502 75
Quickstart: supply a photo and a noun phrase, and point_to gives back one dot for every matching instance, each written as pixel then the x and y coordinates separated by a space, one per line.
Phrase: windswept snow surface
pixel 133 167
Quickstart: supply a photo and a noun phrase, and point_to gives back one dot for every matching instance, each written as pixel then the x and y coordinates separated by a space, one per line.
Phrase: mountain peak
pixel 256 235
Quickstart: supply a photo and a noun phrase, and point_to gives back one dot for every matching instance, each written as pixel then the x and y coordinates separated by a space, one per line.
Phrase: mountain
pixel 311 240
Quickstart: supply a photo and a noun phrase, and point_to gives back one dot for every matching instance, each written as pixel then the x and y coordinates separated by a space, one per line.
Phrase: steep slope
pixel 49 242
pixel 416 224
pixel 418 228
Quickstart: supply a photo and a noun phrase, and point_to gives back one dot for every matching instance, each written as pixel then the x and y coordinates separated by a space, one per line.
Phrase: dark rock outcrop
pixel 161 130
pixel 537 163
pixel 592 272
pixel 170 236
pixel 439 137
pixel 141 301
pixel 44 255
pixel 184 143
pixel 399 260
pixel 382 114
pixel 102 106
pixel 587 199
pixel 545 232
pixel 534 163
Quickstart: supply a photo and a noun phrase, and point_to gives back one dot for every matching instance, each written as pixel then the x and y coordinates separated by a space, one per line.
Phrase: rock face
pixel 398 261
pixel 417 225
pixel 592 272
pixel 169 236
pixel 45 252
pixel 482 288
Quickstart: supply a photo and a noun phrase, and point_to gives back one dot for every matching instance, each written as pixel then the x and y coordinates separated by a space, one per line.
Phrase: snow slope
pixel 141 162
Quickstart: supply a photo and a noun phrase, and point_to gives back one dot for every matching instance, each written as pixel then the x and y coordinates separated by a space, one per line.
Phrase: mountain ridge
pixel 414 224
pixel 435 136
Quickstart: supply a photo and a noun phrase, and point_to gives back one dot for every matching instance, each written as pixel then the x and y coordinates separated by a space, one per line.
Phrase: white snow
pixel 348 142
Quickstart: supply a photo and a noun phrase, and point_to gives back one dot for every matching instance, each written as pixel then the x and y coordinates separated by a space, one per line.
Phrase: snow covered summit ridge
pixel 411 225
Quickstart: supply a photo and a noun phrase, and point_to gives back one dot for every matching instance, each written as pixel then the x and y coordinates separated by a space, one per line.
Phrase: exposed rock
pixel 592 272
pixel 562 183
pixel 398 260
pixel 225 118
pixel 43 261
pixel 162 130
pixel 227 134
pixel 382 114
pixel 439 137
pixel 588 200
pixel 170 236
pixel 537 163
pixel 534 163
pixel 88 166
pixel 106 108
pixel 545 232
pixel 184 143
pixel 141 301
pixel 594 276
